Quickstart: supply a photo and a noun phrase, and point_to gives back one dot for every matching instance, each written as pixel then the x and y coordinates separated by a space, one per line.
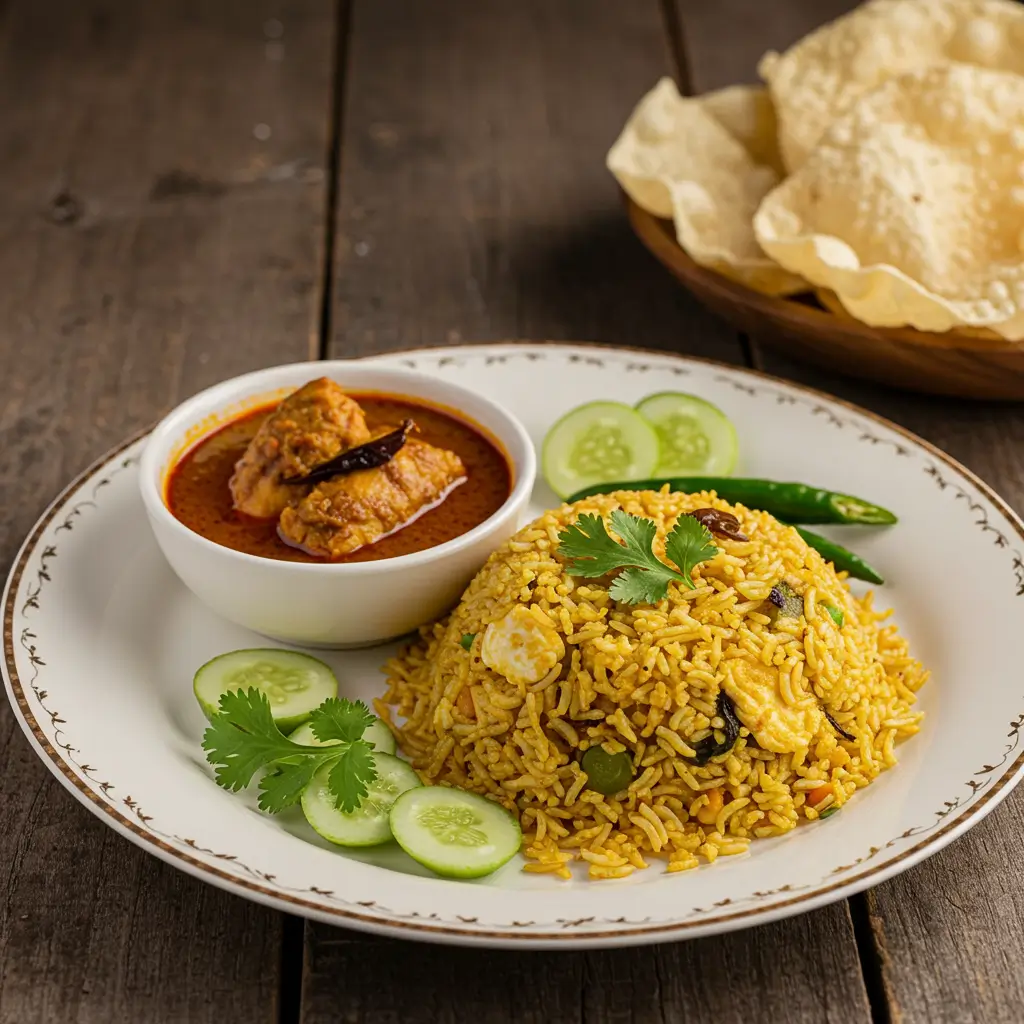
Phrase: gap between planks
pixel 293 929
pixel 336 125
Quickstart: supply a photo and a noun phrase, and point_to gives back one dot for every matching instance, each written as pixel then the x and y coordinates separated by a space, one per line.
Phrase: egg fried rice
pixel 534 666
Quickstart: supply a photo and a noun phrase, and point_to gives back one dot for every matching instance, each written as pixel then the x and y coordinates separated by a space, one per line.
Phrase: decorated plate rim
pixel 937 835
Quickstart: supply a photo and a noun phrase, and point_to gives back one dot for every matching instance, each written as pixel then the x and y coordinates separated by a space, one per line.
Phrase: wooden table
pixel 194 188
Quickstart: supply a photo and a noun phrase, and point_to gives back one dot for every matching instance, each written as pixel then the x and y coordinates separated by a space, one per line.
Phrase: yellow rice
pixel 645 679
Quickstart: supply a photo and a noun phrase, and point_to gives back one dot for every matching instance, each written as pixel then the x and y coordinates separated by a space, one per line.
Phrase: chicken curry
pixel 287 481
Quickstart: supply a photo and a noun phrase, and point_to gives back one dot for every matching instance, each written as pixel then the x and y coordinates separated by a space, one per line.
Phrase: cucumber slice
pixel 696 437
pixel 368 824
pixel 455 833
pixel 596 443
pixel 382 738
pixel 294 683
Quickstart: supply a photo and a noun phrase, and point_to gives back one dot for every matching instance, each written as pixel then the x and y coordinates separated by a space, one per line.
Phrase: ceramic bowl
pixel 322 604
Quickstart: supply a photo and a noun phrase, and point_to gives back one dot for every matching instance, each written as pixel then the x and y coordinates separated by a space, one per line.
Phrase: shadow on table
pixel 591 279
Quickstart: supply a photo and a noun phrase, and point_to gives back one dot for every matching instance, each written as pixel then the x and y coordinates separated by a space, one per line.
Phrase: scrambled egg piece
pixel 521 647
pixel 777 726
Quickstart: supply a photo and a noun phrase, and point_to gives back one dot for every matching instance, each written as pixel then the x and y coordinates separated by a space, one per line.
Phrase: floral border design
pixel 183 848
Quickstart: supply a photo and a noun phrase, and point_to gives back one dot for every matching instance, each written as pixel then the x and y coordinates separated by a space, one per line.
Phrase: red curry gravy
pixel 198 496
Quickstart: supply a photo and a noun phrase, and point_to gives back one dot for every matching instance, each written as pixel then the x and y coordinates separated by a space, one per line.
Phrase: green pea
pixel 607 774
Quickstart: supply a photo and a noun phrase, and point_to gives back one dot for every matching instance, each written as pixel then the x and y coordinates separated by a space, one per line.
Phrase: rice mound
pixel 646 679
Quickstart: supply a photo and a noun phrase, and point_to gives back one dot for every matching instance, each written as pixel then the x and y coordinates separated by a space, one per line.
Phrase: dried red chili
pixel 364 456
pixel 725 524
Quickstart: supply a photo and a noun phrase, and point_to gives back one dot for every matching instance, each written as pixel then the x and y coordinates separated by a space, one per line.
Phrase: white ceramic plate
pixel 101 641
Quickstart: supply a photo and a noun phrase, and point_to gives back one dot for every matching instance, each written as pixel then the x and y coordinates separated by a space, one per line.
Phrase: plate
pixel 961 365
pixel 101 640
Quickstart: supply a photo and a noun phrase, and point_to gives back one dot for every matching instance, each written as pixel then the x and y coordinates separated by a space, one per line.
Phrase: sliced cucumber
pixel 454 833
pixel 696 437
pixel 368 824
pixel 595 443
pixel 294 683
pixel 378 734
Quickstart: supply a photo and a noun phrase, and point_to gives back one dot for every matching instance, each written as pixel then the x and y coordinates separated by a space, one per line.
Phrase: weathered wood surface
pixel 150 244
pixel 802 970
pixel 164 224
pixel 943 939
pixel 474 204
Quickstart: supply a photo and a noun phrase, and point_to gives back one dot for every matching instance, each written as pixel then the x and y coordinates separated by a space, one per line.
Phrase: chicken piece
pixel 310 426
pixel 342 515
pixel 522 647
pixel 776 725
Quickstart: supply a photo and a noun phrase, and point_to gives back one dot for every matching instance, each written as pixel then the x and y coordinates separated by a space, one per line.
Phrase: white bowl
pixel 324 605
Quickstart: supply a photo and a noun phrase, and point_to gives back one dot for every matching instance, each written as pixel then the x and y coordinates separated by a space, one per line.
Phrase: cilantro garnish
pixel 243 738
pixel 591 552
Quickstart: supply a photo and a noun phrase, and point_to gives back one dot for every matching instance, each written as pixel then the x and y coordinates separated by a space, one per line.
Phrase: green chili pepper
pixel 841 558
pixel 467 640
pixel 607 774
pixel 791 502
pixel 834 613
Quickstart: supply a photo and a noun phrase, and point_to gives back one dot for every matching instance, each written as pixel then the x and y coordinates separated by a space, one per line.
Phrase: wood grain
pixel 946 932
pixel 474 204
pixel 796 971
pixel 152 240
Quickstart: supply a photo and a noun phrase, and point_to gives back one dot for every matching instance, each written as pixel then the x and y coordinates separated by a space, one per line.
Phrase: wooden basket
pixel 963 365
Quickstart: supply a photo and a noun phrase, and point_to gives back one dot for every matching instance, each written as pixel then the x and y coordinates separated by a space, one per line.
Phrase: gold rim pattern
pixel 988 783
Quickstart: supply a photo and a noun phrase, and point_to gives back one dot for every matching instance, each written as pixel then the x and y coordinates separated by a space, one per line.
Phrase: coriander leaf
pixel 351 774
pixel 343 719
pixel 637 534
pixel 236 755
pixel 283 788
pixel 639 586
pixel 589 549
pixel 592 552
pixel 688 545
pixel 242 738
pixel 249 710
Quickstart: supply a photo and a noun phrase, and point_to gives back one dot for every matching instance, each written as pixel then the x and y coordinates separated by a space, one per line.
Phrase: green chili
pixel 790 502
pixel 834 613
pixel 843 559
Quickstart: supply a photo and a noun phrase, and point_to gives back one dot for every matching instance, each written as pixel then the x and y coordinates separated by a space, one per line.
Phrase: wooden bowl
pixel 962 365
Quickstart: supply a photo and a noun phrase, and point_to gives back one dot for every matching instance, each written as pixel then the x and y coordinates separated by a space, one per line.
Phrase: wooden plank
pixel 796 971
pixel 153 239
pixel 942 933
pixel 474 204
pixel 474 201
pixel 723 41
